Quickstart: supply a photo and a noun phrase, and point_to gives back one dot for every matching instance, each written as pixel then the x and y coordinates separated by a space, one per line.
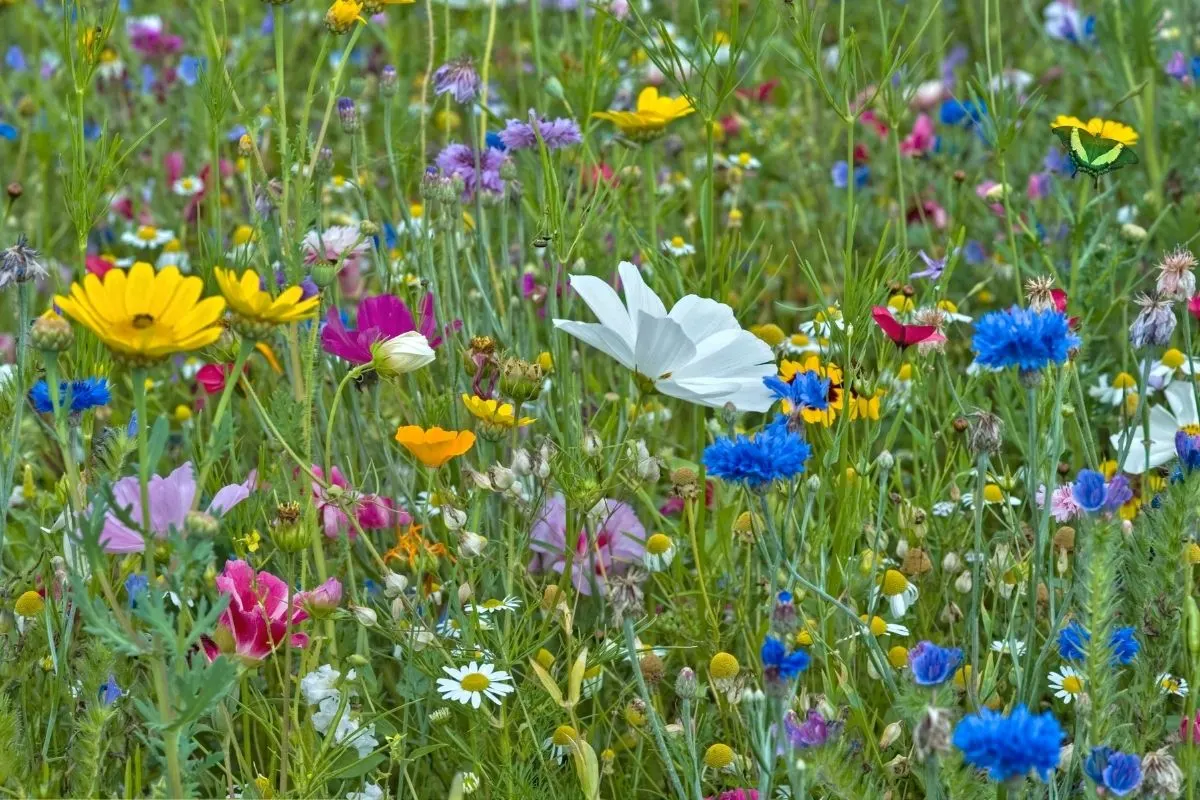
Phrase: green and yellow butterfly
pixel 1094 155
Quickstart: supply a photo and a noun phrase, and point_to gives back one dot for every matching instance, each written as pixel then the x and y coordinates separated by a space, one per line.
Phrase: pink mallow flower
pixel 380 318
pixel 618 539
pixel 170 501
pixel 256 620
pixel 372 511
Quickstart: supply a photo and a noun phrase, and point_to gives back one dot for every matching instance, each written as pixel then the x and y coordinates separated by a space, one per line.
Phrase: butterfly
pixel 903 335
pixel 1094 155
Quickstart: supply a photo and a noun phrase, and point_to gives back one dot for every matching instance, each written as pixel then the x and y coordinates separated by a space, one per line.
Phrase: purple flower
pixel 813 732
pixel 1177 67
pixel 379 318
pixel 459 160
pixel 458 78
pixel 558 133
pixel 1117 493
pixel 933 267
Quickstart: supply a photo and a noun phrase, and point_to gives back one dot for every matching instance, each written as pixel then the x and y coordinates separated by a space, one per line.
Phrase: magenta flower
pixel 372 511
pixel 618 540
pixel 256 620
pixel 170 501
pixel 321 600
pixel 149 37
pixel 922 140
pixel 380 318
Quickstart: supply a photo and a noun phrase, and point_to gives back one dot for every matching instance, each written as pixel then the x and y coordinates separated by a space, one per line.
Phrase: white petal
pixel 1182 402
pixel 662 346
pixel 603 339
pixel 709 393
pixel 731 354
pixel 746 394
pixel 604 302
pixel 702 317
pixel 638 296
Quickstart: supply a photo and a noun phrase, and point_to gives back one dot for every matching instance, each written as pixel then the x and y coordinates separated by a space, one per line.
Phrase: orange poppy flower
pixel 434 447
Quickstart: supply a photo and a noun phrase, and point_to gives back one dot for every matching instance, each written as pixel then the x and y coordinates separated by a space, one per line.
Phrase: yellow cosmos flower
pixel 790 369
pixel 253 306
pixel 493 412
pixel 434 447
pixel 653 114
pixel 145 316
pixel 1104 128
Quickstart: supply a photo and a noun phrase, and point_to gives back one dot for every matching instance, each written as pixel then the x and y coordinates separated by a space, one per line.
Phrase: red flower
pixel 98 266
pixel 1194 306
pixel 212 377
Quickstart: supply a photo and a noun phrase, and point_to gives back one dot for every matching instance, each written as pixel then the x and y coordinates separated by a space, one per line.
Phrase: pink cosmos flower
pixel 148 36
pixel 170 501
pixel 338 242
pixel 922 139
pixel 618 539
pixel 321 600
pixel 256 619
pixel 371 511
pixel 380 318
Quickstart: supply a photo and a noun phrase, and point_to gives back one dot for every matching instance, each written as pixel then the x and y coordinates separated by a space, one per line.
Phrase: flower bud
pixel 394 584
pixel 591 442
pixel 522 463
pixel 365 616
pixel 520 380
pixel 287 531
pixel 388 81
pixel 932 734
pixel 201 524
pixel 470 545
pixel 51 333
pixel 890 734
pixel 951 562
pixel 453 517
pixel 686 686
pixel 502 478
pixel 401 354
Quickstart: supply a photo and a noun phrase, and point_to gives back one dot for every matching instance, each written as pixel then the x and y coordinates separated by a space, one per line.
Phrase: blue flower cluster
pixel 1073 640
pixel 958 112
pixel 78 396
pixel 805 390
pixel 1092 493
pixel 1023 338
pixel 1116 772
pixel 1187 447
pixel 1009 747
pixel 779 663
pixel 932 665
pixel 776 453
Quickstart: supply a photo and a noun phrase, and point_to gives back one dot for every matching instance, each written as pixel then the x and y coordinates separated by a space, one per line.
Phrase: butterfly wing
pixel 1096 155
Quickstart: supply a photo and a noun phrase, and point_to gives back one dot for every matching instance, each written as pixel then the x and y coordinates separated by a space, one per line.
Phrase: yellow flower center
pixel 905 372
pixel 877 625
pixel 1191 430
pixel 1173 359
pixel 899 302
pixel 898 656
pixel 173 246
pixel 1170 684
pixel 242 234
pixel 564 735
pixel 1072 684
pixel 147 233
pixel 744 159
pixel 491 603
pixel 658 544
pixel 416 210
pixel 718 756
pixel 992 493
pixel 142 321
pixel 29 604
pixel 948 306
pixel 1124 381
pixel 676 241
pixel 475 682
pixel 894 583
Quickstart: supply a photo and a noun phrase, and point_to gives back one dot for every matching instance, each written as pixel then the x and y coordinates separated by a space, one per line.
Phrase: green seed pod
pixel 1193 625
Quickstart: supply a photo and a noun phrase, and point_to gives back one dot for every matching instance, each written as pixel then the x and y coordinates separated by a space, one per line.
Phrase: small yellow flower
pixel 251 541
pixel 494 413
pixel 652 116
pixel 898 656
pixel 1104 128
pixel 342 15
pixel 29 604
pixel 1191 554
pixel 252 305
pixel 546 362
pixel 182 413
pixel 718 756
pixel 962 675
pixel 723 666
pixel 242 234
pixel 770 333
pixel 901 304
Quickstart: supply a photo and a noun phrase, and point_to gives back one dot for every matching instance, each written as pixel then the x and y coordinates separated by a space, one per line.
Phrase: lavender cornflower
pixel 20 264
pixel 813 732
pixel 458 160
pixel 458 78
pixel 1175 278
pixel 557 133
pixel 934 267
pixel 348 114
pixel 1154 323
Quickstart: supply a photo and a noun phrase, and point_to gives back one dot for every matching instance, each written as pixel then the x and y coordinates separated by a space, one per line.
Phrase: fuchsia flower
pixel 372 511
pixel 148 36
pixel 256 620
pixel 170 501
pixel 922 139
pixel 380 318
pixel 618 539
pixel 321 600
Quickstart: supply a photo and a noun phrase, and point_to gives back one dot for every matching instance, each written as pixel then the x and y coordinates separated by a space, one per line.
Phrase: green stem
pixel 281 95
pixel 211 450
pixel 9 468
pixel 333 409
pixel 651 714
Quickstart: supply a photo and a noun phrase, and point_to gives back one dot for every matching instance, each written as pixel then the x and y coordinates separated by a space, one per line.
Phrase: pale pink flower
pixel 1062 502
pixel 922 139
pixel 371 511
pixel 321 600
pixel 617 540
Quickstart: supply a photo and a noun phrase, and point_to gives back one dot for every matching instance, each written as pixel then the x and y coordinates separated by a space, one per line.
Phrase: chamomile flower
pixel 677 247
pixel 878 626
pixel 743 161
pixel 992 494
pixel 147 237
pixel 660 551
pixel 494 605
pixel 1068 683
pixel 801 343
pixel 950 312
pixel 469 685
pixel 823 323
pixel 559 743
pixel 1007 647
pixel 1169 684
pixel 188 186
pixel 1175 360
pixel 173 255
pixel 340 184
pixel 451 628
pixel 1114 394
pixel 897 590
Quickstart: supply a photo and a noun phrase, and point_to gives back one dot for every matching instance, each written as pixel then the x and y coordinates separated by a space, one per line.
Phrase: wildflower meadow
pixel 734 400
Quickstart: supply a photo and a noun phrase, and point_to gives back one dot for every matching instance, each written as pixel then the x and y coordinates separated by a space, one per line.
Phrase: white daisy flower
pixel 450 627
pixel 878 626
pixel 188 186
pixel 173 255
pixel 340 184
pixel 800 343
pixel 897 590
pixel 559 743
pixel 1006 647
pixel 1115 393
pixel 370 791
pixel 1180 415
pixel 697 353
pixel 469 685
pixel 147 237
pixel 491 605
pixel 744 161
pixel 823 323
pixel 950 312
pixel 676 246
pixel 992 494
pixel 1067 683
pixel 659 553
pixel 1169 684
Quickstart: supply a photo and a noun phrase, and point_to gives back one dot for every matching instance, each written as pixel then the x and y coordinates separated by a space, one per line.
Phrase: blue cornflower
pixel 1029 340
pixel 1116 772
pixel 1187 447
pixel 110 691
pixel 1009 747
pixel 1124 645
pixel 805 390
pixel 775 453
pixel 779 664
pixel 190 68
pixel 1088 490
pixel 493 140
pixel 135 585
pixel 1072 641
pixel 9 132
pixel 932 665
pixel 956 112
pixel 841 175
pixel 78 396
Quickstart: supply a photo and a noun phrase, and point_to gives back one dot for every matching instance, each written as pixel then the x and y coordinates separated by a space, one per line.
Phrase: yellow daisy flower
pixel 144 316
pixel 653 114
pixel 493 412
pixel 1104 128
pixel 255 308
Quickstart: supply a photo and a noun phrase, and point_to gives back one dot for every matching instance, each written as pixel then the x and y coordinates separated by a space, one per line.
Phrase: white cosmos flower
pixel 470 684
pixel 698 352
pixel 407 352
pixel 1164 424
